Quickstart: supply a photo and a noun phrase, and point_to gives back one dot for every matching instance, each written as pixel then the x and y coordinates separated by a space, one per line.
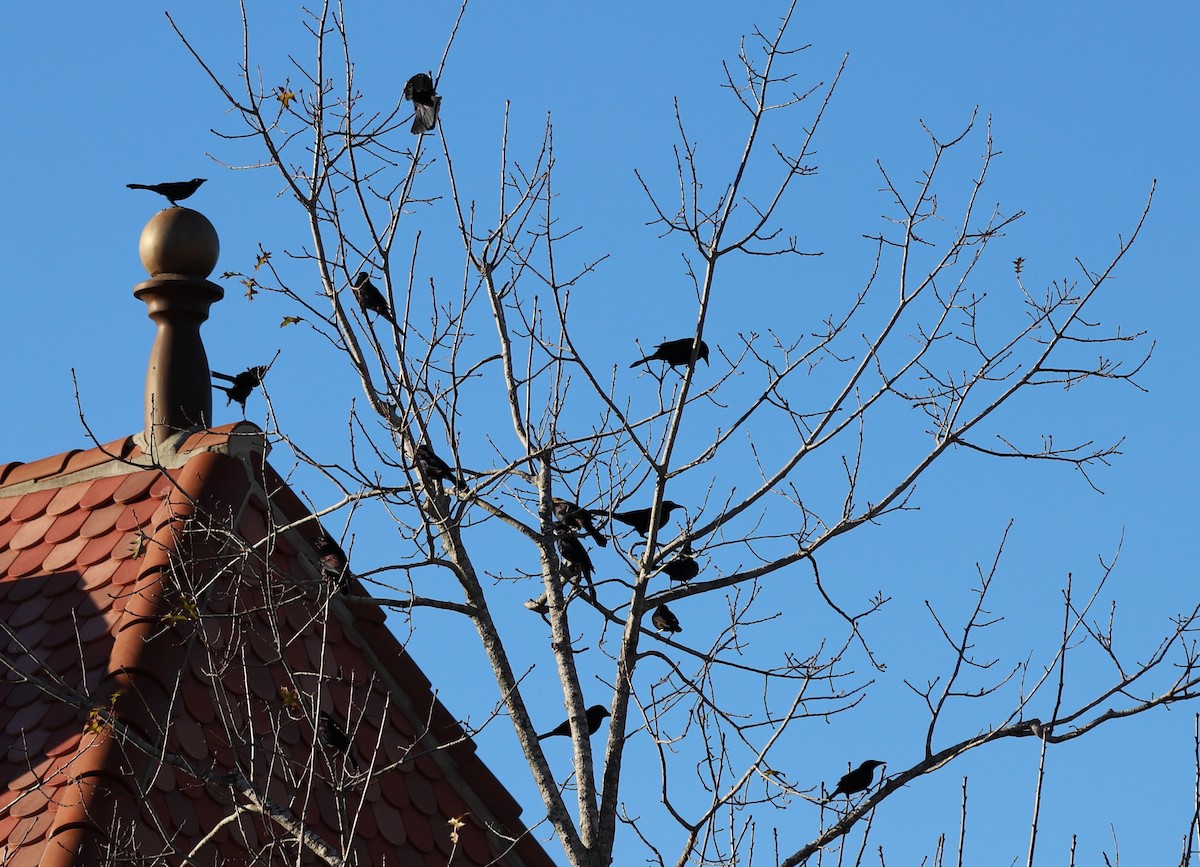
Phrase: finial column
pixel 179 248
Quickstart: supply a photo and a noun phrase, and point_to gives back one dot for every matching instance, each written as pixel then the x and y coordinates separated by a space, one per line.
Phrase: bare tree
pixel 924 349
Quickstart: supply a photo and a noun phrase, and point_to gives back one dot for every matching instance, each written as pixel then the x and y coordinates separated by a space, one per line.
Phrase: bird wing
pixel 425 116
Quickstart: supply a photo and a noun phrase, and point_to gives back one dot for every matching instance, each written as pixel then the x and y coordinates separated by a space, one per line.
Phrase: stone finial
pixel 179 241
pixel 179 248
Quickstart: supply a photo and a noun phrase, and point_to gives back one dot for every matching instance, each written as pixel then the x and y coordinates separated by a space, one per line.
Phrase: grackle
pixel 575 559
pixel 639 519
pixel 434 468
pixel 332 560
pixel 175 191
pixel 336 739
pixel 595 715
pixel 684 567
pixel 577 518
pixel 425 102
pixel 664 620
pixel 675 352
pixel 370 298
pixel 244 383
pixel 858 780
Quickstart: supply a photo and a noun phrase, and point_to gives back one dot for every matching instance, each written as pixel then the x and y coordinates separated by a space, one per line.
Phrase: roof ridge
pixel 128 455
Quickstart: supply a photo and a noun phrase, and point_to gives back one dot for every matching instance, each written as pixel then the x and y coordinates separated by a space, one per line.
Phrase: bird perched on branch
pixel 595 715
pixel 243 383
pixel 675 353
pixel 370 298
pixel 576 561
pixel 332 560
pixel 425 102
pixel 577 518
pixel 664 620
pixel 684 567
pixel 858 780
pixel 175 191
pixel 434 468
pixel 639 519
pixel 335 737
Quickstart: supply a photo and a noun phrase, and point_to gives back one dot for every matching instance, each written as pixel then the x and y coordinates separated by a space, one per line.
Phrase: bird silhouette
pixel 243 384
pixel 425 102
pixel 335 737
pixel 664 620
pixel 684 567
pixel 675 353
pixel 332 560
pixel 370 298
pixel 434 468
pixel 578 518
pixel 595 715
pixel 858 780
pixel 175 191
pixel 639 519
pixel 576 561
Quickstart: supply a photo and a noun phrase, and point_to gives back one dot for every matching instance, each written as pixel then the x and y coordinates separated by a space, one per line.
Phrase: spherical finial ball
pixel 179 241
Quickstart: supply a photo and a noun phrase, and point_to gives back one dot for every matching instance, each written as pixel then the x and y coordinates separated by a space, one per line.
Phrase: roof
pixel 167 645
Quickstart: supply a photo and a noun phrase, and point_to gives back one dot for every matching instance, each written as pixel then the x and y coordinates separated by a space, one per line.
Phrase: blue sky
pixel 1089 103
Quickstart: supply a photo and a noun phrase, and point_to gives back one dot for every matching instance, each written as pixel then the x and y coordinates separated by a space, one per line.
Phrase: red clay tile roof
pixel 176 611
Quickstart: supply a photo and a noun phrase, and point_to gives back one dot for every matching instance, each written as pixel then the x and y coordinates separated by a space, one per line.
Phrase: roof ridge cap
pixel 238 440
pixel 242 440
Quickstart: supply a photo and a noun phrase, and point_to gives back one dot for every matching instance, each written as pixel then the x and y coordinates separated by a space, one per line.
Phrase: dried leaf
pixel 138 545
pixel 97 720
pixel 186 610
pixel 456 823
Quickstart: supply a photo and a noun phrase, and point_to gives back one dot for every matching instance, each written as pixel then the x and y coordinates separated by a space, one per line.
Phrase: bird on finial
pixel 175 191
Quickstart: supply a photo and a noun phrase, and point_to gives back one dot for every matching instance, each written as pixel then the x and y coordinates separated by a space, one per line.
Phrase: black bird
pixel 595 715
pixel 577 518
pixel 336 739
pixel 370 298
pixel 434 468
pixel 575 559
pixel 639 519
pixel 684 567
pixel 664 620
pixel 425 102
pixel 175 191
pixel 858 780
pixel 332 560
pixel 244 383
pixel 675 353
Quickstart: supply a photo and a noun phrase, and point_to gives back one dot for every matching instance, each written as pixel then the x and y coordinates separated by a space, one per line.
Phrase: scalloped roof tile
pixel 138 594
